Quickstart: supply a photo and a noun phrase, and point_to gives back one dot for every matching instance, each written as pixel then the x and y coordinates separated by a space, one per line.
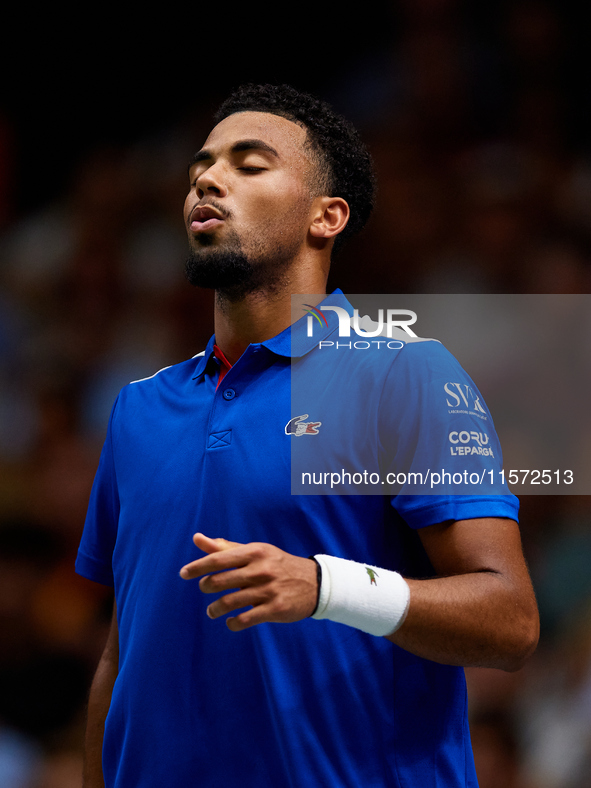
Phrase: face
pixel 248 208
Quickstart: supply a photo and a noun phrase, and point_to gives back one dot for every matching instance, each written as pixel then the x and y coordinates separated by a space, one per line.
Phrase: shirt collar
pixel 294 341
pixel 204 358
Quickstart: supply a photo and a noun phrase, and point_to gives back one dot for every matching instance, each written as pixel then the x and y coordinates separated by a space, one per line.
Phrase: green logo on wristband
pixel 372 575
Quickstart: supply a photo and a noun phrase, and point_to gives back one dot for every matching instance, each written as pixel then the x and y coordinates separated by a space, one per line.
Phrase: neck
pixel 263 314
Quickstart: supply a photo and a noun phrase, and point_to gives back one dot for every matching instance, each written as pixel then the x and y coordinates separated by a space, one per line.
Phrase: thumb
pixel 209 545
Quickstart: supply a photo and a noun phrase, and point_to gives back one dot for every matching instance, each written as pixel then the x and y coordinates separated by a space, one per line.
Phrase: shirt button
pixel 229 394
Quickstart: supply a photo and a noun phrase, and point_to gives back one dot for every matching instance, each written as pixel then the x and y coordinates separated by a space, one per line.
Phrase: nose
pixel 211 181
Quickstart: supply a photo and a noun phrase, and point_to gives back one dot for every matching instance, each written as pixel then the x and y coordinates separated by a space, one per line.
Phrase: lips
pixel 204 217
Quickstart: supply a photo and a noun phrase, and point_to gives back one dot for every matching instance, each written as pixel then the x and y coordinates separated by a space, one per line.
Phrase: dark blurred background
pixel 478 116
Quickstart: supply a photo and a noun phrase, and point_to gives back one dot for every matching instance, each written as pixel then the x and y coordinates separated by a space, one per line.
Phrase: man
pixel 202 450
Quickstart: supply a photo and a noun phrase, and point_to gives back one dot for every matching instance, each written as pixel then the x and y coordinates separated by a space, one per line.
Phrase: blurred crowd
pixel 484 187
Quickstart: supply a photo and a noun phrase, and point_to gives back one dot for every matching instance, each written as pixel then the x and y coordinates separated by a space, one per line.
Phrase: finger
pixel 209 545
pixel 224 581
pixel 230 602
pixel 216 562
pixel 249 618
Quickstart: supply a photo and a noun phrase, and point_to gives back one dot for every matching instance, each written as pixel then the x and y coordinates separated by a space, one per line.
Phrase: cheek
pixel 187 207
pixel 282 209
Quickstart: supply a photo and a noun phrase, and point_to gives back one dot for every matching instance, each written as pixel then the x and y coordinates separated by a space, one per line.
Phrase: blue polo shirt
pixel 312 703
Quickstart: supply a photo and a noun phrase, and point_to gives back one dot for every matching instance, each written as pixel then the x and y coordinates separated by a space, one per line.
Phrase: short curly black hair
pixel 344 163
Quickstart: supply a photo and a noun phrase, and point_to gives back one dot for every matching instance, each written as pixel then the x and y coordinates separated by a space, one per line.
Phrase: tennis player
pixel 261 638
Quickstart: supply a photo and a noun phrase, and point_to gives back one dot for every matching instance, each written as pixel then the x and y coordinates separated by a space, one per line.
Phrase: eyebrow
pixel 238 147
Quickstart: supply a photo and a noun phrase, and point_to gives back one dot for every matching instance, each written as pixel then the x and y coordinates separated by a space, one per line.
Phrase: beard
pixel 231 272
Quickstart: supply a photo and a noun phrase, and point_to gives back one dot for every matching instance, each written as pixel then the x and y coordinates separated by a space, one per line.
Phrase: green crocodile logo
pixel 372 575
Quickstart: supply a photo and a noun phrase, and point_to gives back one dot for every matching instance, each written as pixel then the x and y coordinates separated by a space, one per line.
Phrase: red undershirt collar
pixel 224 364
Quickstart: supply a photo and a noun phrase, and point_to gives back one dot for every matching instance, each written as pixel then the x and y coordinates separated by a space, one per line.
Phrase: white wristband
pixel 362 596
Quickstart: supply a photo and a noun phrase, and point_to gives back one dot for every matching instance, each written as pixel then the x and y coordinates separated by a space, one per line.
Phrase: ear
pixel 329 218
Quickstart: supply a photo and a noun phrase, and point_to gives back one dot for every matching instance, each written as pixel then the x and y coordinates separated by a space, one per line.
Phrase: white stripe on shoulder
pixel 150 376
pixel 162 370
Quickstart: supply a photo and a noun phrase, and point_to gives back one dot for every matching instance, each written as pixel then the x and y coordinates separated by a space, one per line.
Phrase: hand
pixel 279 586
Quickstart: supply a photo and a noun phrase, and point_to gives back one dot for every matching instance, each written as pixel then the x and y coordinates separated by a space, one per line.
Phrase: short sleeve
pixel 440 445
pixel 95 553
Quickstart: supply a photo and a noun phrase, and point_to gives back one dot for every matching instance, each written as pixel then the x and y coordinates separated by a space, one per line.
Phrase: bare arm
pixel 479 610
pixel 98 706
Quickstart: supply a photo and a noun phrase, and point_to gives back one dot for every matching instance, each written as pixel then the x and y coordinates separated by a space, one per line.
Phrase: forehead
pixel 285 136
